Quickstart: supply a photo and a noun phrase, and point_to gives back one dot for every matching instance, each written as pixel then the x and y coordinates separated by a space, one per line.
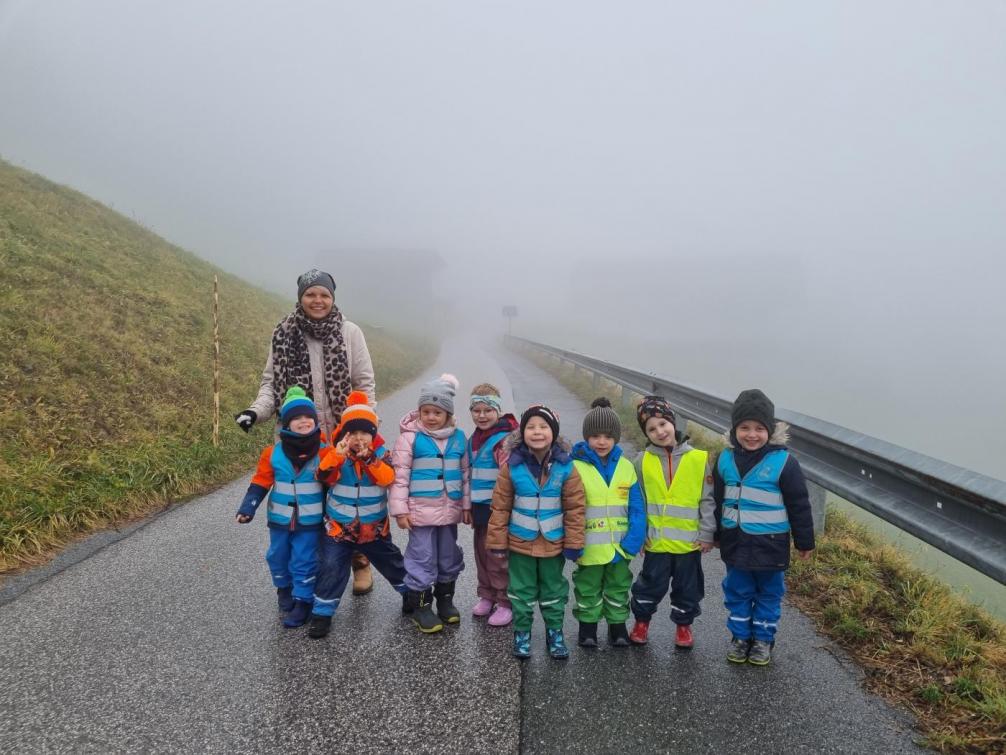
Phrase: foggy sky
pixel 803 196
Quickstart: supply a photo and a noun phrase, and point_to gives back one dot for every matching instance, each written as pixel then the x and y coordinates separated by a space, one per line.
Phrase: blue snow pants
pixel 293 560
pixel 333 571
pixel 754 602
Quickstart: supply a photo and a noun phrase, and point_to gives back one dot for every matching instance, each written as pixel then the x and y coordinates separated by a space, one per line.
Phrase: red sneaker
pixel 640 630
pixel 683 637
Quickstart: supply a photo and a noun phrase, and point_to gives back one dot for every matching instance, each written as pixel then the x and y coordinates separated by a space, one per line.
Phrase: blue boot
pixel 522 644
pixel 284 597
pixel 557 645
pixel 298 616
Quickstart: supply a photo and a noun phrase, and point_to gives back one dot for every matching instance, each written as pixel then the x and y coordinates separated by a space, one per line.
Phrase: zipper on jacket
pixel 293 516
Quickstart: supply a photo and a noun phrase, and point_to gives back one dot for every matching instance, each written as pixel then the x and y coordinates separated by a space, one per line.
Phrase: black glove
pixel 246 419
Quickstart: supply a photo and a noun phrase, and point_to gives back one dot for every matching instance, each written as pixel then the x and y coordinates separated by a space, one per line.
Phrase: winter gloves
pixel 246 419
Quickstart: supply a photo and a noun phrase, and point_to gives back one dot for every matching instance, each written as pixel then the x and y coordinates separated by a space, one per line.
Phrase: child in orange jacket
pixel 357 475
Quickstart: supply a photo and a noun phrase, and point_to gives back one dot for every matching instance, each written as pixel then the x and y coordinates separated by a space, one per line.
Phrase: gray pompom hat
pixel 439 392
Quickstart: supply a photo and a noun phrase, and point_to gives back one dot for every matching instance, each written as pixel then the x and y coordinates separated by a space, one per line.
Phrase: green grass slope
pixel 106 367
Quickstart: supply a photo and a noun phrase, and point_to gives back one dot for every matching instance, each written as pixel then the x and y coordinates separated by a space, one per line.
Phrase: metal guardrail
pixel 960 512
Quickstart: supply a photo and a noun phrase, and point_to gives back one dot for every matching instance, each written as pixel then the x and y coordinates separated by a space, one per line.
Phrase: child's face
pixel 484 416
pixel 537 434
pixel 432 417
pixel 751 435
pixel 660 431
pixel 601 444
pixel 302 425
pixel 359 441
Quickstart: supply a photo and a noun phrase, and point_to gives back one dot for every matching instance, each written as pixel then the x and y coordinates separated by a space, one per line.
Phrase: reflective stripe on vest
pixel 538 508
pixel 435 473
pixel 607 515
pixel 296 497
pixel 484 469
pixel 672 512
pixel 754 502
pixel 351 497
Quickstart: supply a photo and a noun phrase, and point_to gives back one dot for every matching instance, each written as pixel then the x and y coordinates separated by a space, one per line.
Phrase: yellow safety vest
pixel 607 511
pixel 672 513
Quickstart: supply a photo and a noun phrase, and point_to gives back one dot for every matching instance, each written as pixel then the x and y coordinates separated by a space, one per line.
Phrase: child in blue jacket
pixel 615 527
pixel 761 497
pixel 286 473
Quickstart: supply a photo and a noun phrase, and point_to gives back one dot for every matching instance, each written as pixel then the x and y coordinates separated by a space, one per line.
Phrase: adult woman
pixel 315 348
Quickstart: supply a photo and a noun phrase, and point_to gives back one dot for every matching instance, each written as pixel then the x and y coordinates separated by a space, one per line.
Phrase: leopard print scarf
pixel 291 363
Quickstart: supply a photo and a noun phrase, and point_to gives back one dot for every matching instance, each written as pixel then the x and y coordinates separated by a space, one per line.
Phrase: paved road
pixel 168 640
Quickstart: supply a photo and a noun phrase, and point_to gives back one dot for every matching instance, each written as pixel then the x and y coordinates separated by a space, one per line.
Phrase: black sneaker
pixel 760 653
pixel 587 637
pixel 738 652
pixel 319 626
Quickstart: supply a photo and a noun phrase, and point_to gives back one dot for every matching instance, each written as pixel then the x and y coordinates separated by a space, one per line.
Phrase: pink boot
pixel 483 607
pixel 501 617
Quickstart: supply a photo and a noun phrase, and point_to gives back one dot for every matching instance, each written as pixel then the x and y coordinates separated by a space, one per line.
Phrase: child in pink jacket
pixel 428 499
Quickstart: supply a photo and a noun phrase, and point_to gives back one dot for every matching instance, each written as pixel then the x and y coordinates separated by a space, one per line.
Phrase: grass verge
pixel 920 645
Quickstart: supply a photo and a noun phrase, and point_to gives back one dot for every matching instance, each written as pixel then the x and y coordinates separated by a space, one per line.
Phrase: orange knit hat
pixel 357 416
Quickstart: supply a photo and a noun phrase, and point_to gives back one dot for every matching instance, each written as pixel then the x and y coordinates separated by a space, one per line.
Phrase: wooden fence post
pixel 216 363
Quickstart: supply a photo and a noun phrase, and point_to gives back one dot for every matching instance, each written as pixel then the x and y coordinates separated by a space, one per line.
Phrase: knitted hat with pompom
pixel 439 392
pixel 602 420
pixel 357 416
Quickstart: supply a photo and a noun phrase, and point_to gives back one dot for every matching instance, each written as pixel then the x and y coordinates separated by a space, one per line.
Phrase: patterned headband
pixel 488 400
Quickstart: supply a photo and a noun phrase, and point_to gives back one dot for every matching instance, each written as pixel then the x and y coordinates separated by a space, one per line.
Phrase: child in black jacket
pixel 761 497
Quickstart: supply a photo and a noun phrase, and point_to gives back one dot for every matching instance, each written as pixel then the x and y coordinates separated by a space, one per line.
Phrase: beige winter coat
pixel 361 375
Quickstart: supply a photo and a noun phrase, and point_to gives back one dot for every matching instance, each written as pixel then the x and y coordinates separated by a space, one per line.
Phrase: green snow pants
pixel 602 590
pixel 537 580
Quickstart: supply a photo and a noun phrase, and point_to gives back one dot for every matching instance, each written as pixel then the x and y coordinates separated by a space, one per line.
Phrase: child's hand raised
pixel 403 522
pixel 342 447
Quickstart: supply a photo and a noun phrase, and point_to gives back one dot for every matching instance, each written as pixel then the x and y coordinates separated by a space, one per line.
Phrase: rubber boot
pixel 618 635
pixel 422 614
pixel 298 616
pixel 522 644
pixel 284 598
pixel 588 634
pixel 683 637
pixel 363 577
pixel 406 608
pixel 319 626
pixel 444 593
pixel 557 644
pixel 640 633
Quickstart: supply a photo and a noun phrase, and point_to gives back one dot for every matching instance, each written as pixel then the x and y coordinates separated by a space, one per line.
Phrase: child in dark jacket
pixel 357 475
pixel 615 527
pixel 761 497
pixel 286 473
pixel 485 455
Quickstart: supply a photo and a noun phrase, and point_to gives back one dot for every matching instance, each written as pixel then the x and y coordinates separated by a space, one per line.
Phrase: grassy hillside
pixel 106 375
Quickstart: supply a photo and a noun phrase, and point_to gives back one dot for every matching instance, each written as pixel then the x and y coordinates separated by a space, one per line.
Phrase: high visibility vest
pixel 354 498
pixel 607 511
pixel 538 508
pixel 483 469
pixel 754 502
pixel 294 492
pixel 435 472
pixel 672 513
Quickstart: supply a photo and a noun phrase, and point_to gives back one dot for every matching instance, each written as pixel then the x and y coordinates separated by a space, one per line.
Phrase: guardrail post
pixel 626 398
pixel 596 383
pixel 817 505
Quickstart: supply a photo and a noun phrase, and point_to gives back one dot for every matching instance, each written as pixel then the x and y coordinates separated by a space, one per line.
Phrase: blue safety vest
pixel 483 468
pixel 754 502
pixel 354 498
pixel 538 508
pixel 296 497
pixel 434 472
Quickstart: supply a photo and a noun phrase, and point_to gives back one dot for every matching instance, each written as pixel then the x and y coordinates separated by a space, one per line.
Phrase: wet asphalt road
pixel 166 639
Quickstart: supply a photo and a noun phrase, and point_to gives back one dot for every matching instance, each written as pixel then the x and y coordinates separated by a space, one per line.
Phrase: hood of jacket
pixel 410 424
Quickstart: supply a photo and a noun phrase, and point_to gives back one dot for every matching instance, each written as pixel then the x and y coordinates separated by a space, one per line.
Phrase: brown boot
pixel 363 579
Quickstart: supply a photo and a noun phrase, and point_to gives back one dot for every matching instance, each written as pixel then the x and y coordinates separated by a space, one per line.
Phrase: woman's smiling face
pixel 317 302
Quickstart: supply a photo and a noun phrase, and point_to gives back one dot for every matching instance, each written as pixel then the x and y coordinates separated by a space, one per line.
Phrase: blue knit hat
pixel 296 403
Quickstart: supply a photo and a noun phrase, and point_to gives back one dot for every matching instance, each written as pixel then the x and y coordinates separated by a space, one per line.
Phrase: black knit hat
pixel 654 406
pixel 755 405
pixel 602 419
pixel 540 410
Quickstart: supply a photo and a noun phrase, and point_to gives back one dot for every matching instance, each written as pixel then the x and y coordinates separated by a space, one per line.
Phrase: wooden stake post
pixel 216 363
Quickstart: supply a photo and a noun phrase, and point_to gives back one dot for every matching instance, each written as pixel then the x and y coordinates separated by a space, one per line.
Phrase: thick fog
pixel 807 197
